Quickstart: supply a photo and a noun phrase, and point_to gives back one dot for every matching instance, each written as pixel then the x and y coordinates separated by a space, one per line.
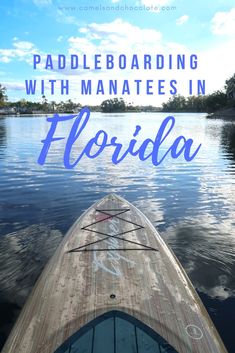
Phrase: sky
pixel 151 27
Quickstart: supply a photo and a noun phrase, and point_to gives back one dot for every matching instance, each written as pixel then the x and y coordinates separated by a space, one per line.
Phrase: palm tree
pixel 53 105
pixel 44 103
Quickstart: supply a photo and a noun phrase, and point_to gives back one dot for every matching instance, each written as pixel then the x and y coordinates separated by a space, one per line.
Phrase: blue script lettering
pixel 148 148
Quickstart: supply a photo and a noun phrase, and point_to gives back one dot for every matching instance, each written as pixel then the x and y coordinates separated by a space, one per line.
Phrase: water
pixel 191 204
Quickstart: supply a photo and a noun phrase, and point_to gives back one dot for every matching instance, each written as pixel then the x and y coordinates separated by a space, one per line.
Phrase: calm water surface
pixel 191 204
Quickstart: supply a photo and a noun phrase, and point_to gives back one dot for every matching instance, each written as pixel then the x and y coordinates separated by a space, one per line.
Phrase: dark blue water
pixel 191 204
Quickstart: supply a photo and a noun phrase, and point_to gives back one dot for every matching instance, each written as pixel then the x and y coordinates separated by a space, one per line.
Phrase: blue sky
pixel 206 28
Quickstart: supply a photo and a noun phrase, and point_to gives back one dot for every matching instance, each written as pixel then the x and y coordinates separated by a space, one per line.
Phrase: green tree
pixel 69 106
pixel 176 103
pixel 44 103
pixel 22 106
pixel 53 105
pixel 230 90
pixel 216 101
pixel 113 105
pixel 3 96
pixel 210 103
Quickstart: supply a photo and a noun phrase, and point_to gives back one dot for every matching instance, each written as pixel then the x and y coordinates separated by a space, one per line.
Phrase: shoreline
pixel 99 111
pixel 225 114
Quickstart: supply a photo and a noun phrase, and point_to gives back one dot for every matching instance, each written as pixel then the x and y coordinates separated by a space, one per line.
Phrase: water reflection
pixel 3 133
pixel 223 316
pixel 206 257
pixel 191 204
pixel 228 140
pixel 24 253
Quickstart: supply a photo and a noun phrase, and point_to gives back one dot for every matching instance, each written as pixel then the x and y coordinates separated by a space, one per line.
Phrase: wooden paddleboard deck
pixel 113 261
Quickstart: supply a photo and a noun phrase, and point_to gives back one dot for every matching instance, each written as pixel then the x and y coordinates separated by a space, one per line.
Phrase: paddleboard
pixel 113 286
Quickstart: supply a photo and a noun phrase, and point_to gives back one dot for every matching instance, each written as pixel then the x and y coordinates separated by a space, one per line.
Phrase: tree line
pixel 24 106
pixel 209 103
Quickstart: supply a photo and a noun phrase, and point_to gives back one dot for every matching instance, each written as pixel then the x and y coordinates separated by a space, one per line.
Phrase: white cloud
pixel 23 45
pixel 4 59
pixel 181 20
pixel 223 23
pixel 115 1
pixel 118 35
pixel 217 64
pixel 15 86
pixel 22 50
pixel 60 38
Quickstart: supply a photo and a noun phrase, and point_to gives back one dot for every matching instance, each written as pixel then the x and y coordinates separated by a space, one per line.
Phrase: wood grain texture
pixel 149 284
